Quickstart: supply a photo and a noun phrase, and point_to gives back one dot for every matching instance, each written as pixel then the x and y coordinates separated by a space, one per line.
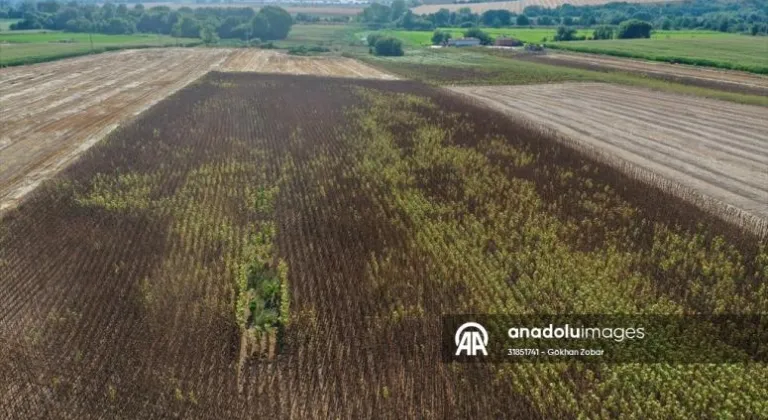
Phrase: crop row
pixel 235 256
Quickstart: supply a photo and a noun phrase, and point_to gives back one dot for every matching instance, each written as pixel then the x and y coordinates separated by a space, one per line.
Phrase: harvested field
pixel 717 149
pixel 735 81
pixel 132 281
pixel 50 113
pixel 266 61
pixel 517 6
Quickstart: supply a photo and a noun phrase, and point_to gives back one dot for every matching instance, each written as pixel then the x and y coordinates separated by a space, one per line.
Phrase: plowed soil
pixel 716 148
pixel 266 61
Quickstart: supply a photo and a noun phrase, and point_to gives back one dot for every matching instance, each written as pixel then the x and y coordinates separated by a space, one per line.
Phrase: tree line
pixel 208 23
pixel 747 16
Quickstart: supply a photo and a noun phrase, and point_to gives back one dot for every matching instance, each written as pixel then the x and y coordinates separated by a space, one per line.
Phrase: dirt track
pixel 50 113
pixel 714 148
pixel 267 61
pixel 725 79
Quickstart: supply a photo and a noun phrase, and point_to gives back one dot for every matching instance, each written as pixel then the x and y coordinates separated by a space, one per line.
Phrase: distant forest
pixel 269 23
pixel 746 16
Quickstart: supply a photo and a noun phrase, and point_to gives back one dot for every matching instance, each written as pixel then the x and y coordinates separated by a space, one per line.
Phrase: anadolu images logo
pixel 471 341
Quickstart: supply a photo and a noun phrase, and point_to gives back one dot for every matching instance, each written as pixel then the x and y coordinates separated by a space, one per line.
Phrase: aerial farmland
pixel 237 231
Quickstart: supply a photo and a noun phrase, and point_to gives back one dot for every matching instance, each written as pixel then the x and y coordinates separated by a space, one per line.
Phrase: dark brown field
pixel 394 203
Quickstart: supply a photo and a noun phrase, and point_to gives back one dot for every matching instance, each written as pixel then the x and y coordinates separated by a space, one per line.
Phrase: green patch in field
pixel 335 37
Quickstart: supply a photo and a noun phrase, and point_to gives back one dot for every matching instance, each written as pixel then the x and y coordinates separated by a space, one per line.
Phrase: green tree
pixel 376 13
pixel 522 20
pixel 438 37
pixel 388 46
pixel 565 33
pixel 544 20
pixel 119 26
pixel 209 36
pixel 397 9
pixel 372 38
pixel 634 28
pixel 227 28
pixel 441 18
pixel 79 25
pixel 496 18
pixel 465 16
pixel 603 32
pixel 279 22
pixel 484 38
pixel 258 27
pixel 187 27
pixel 108 11
pixel 412 22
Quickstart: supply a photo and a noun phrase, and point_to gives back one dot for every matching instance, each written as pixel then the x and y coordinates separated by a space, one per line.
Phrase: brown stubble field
pixel 717 151
pixel 394 204
pixel 267 61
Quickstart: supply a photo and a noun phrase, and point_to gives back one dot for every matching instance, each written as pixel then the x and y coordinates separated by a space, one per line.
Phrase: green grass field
pixel 730 51
pixel 33 47
pixel 706 48
pixel 479 66
pixel 71 37
pixel 329 36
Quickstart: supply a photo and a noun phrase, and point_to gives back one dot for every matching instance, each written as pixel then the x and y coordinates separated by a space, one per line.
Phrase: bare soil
pixel 713 148
pixel 267 61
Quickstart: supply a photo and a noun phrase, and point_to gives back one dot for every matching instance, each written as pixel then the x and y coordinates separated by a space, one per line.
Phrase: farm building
pixel 464 42
pixel 507 42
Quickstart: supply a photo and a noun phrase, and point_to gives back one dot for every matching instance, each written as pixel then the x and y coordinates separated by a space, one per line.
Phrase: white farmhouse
pixel 464 42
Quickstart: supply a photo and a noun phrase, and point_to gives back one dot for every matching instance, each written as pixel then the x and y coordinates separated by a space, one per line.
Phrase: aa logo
pixel 471 338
